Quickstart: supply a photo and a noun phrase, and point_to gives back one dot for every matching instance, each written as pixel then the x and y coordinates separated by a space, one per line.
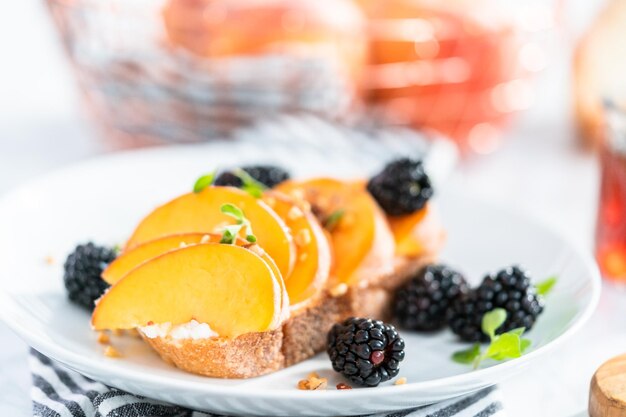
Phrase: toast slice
pixel 248 355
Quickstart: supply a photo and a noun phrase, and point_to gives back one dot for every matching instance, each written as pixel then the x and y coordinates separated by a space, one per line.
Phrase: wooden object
pixel 608 389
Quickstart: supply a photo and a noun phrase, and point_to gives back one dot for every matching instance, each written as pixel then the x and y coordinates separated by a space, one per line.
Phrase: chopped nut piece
pixel 103 338
pixel 339 290
pixel 297 194
pixel 341 385
pixel 318 383
pixel 400 381
pixel 313 382
pixel 294 213
pixel 111 352
pixel 303 237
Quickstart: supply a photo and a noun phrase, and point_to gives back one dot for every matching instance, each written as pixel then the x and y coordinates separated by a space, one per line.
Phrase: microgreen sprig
pixel 504 346
pixel 545 286
pixel 204 182
pixel 332 221
pixel 250 185
pixel 232 231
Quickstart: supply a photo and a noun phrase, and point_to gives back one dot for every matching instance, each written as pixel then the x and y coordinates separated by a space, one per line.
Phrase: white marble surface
pixel 539 170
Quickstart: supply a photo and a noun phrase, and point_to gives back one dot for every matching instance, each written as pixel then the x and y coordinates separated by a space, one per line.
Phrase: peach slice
pixel 132 258
pixel 137 255
pixel 200 213
pixel 361 241
pixel 417 233
pixel 312 267
pixel 226 286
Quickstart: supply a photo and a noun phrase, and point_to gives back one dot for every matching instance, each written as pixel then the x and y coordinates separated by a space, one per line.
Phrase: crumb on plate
pixel 400 381
pixel 111 352
pixel 313 383
pixel 103 338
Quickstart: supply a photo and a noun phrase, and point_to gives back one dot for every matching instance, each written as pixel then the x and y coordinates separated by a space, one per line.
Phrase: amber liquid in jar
pixel 611 226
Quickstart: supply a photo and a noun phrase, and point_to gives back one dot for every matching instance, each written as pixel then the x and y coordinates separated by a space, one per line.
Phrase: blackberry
pixel 268 175
pixel 424 302
pixel 228 178
pixel 402 187
pixel 83 268
pixel 510 289
pixel 365 351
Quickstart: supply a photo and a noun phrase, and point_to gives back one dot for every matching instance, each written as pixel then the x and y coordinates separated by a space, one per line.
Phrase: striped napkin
pixel 60 392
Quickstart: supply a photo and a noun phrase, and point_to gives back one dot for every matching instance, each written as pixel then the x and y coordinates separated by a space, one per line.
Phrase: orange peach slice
pixel 200 213
pixel 226 286
pixel 132 258
pixel 361 241
pixel 312 267
pixel 417 233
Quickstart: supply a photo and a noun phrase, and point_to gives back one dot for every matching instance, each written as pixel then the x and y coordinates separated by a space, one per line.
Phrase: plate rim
pixel 75 360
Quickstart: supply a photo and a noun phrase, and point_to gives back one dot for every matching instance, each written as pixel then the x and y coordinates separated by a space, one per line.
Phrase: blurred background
pixel 529 93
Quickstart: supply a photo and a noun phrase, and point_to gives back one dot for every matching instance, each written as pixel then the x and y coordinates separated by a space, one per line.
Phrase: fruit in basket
pixel 200 212
pixel 361 240
pixel 367 352
pixel 226 286
pixel 313 257
pixel 510 289
pixel 268 175
pixel 82 270
pixel 218 29
pixel 424 302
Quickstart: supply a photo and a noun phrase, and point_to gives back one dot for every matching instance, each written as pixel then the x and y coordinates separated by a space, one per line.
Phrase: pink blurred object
pixel 611 225
pixel 460 68
pixel 190 70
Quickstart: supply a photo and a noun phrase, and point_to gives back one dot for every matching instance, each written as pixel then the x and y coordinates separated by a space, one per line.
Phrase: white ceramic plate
pixel 103 199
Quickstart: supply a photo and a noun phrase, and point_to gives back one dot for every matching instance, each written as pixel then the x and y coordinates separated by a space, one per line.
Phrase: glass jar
pixel 191 70
pixel 611 224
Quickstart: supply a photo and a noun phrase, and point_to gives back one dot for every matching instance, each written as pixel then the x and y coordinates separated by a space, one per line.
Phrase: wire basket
pixel 145 84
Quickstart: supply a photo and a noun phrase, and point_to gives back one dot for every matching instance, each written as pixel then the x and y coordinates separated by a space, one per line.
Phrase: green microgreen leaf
pixel 467 356
pixel 545 286
pixel 234 212
pixel 250 185
pixel 231 232
pixel 504 346
pixel 333 220
pixel 204 182
pixel 229 237
pixel 492 321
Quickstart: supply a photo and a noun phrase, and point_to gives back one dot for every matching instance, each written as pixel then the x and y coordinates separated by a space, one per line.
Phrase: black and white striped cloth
pixel 60 392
